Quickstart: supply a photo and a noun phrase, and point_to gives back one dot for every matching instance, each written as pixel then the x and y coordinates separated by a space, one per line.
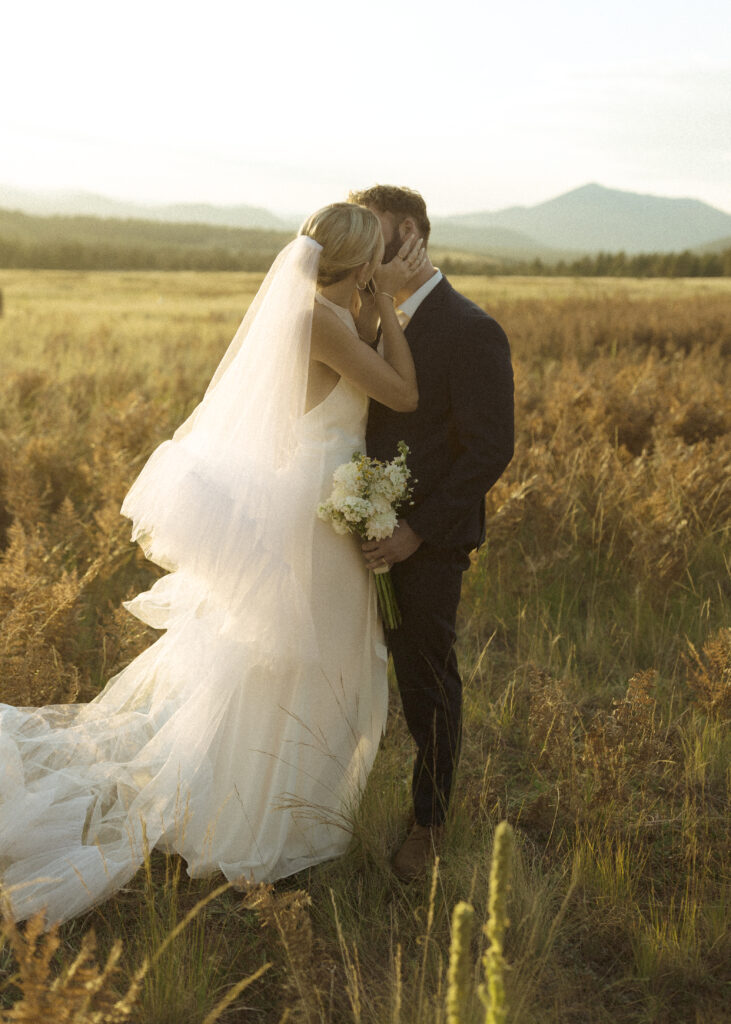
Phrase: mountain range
pixel 594 218
pixel 588 219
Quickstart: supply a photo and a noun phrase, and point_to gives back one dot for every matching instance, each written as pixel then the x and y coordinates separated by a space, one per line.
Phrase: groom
pixel 461 440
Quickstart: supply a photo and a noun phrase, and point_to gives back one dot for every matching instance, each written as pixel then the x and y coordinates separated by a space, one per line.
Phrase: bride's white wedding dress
pixel 242 737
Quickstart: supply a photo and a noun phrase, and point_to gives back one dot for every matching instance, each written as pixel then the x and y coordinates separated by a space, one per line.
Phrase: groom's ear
pixel 407 227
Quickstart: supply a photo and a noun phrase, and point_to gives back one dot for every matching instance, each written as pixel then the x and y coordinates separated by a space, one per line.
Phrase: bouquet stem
pixel 390 612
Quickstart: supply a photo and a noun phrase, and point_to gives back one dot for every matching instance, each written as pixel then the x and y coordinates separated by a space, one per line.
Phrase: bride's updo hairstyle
pixel 349 235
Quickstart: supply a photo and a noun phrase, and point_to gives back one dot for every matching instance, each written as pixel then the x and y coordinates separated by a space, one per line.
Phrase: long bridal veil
pixel 216 503
pixel 85 789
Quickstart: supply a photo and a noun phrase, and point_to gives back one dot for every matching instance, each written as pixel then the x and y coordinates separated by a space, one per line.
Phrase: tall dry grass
pixel 594 643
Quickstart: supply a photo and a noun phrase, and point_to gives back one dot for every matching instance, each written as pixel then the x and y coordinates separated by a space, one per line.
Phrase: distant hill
pixel 86 243
pixel 594 218
pixel 450 232
pixel 91 205
pixel 28 228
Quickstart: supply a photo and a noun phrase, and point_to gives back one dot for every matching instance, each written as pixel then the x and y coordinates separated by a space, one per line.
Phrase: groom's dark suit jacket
pixel 461 436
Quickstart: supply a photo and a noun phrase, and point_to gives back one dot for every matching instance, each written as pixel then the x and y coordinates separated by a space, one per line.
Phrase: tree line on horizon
pixel 90 243
pixel 602 264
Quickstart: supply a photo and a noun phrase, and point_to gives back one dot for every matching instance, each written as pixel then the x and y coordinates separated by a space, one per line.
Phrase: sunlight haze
pixel 287 105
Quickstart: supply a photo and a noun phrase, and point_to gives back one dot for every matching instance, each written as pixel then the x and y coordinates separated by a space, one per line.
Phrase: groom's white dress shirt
pixel 409 306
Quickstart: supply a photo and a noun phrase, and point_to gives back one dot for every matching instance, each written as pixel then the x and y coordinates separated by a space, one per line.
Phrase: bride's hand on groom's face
pixel 408 261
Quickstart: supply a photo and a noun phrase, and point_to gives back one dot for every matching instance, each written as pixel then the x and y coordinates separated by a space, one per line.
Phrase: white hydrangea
pixel 346 477
pixel 398 475
pixel 325 510
pixel 380 504
pixel 383 488
pixel 355 509
pixel 391 483
pixel 339 495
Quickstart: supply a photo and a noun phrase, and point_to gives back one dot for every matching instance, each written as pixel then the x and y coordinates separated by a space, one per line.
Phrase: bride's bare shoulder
pixel 328 329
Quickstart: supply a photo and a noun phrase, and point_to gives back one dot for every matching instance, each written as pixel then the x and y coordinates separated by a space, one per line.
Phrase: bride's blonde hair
pixel 349 235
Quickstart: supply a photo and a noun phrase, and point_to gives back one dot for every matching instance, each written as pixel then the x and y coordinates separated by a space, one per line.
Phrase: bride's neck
pixel 340 293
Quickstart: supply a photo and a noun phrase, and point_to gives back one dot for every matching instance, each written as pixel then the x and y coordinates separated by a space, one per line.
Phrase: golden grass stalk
pixel 233 993
pixel 460 963
pixel 492 992
pixel 398 987
pixel 84 991
pixel 287 914
pixel 81 994
pixel 353 981
pixel 427 935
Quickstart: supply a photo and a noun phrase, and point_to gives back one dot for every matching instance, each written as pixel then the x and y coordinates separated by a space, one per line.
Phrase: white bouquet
pixel 366 497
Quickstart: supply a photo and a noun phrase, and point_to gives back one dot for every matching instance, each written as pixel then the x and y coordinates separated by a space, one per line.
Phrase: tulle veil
pixel 217 503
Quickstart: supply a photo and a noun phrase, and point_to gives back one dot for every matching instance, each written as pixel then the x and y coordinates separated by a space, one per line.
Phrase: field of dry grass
pixel 595 647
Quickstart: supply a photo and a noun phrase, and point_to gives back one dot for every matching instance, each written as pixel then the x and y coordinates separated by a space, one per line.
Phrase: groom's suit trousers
pixel 428 586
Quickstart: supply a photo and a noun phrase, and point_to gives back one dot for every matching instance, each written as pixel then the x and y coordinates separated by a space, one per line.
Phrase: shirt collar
pixel 410 305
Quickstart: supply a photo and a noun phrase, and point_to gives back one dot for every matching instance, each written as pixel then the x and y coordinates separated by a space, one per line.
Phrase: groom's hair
pixel 401 202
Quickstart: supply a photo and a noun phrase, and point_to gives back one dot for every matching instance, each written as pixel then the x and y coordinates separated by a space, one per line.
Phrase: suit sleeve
pixel 481 398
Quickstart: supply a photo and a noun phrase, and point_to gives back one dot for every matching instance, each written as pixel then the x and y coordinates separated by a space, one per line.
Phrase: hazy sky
pixel 287 104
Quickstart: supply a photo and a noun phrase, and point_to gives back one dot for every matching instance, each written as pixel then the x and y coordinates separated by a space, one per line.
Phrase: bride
pixel 242 737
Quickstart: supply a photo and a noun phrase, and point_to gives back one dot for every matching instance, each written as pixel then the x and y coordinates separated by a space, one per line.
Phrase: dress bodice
pixel 339 420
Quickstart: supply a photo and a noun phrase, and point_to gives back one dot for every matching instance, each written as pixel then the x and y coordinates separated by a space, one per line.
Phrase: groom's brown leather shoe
pixel 417 852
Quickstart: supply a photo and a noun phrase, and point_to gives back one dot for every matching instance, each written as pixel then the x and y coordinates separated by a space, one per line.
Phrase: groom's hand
pixel 402 543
